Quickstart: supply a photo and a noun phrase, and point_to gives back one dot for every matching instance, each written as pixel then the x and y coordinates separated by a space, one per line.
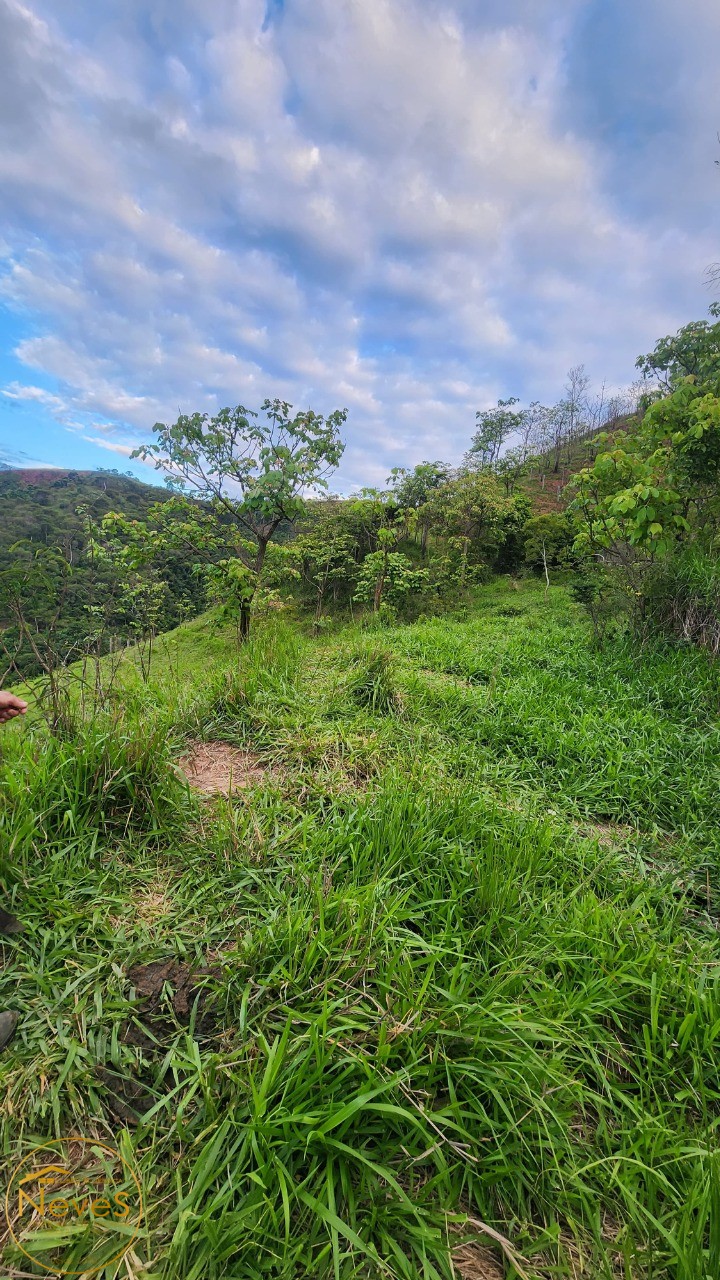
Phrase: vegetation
pixel 252 471
pixel 455 955
pixel 648 507
pixel 56 593
pixel 427 985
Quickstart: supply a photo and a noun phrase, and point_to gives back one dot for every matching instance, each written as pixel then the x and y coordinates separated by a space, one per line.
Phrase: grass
pixel 460 964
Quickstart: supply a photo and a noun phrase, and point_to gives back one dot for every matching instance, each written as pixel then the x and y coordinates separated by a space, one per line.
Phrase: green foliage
pixel 324 554
pixel 477 519
pixel 413 488
pixel 441 989
pixel 99 782
pixel 60 596
pixel 693 352
pixel 548 539
pixel 682 599
pixel 372 685
pixel 390 576
pixel 494 427
pixel 655 490
pixel 271 460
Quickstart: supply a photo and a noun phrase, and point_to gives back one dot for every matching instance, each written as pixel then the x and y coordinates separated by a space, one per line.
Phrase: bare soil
pixel 216 768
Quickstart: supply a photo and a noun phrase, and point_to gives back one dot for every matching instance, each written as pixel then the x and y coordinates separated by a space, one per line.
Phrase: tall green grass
pixel 442 994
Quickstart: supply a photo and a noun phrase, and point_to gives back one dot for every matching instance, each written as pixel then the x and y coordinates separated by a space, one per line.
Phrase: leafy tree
pixel 475 517
pixel 324 556
pixel 649 499
pixel 511 467
pixel 656 486
pixel 387 575
pixel 253 469
pixel 412 490
pixel 548 540
pixel 694 351
pixel 493 428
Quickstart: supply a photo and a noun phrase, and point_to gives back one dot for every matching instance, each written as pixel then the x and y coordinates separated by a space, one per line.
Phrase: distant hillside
pixel 40 506
pixel 546 487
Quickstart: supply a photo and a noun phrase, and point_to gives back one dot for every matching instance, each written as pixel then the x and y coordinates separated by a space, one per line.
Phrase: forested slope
pixel 46 518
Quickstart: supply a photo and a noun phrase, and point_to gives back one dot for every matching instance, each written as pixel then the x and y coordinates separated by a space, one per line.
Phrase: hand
pixel 10 706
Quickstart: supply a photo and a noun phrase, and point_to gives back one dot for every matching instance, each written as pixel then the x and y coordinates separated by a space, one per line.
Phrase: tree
pixel 548 539
pixel 694 351
pixel 389 575
pixel 253 469
pixel 655 489
pixel 475 517
pixel 412 489
pixel 576 402
pixel 324 556
pixel 494 427
pixel 511 467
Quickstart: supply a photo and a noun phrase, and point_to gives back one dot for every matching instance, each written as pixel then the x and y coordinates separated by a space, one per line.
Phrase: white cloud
pixel 124 449
pixel 371 203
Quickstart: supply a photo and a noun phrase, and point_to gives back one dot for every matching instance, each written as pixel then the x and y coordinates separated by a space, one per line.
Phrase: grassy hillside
pixel 546 486
pixel 439 982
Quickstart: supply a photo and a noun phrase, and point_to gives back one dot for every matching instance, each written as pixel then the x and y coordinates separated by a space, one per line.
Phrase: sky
pixel 404 208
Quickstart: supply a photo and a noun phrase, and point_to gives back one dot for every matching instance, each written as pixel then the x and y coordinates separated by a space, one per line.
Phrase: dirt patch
pixel 164 987
pixel 127 1098
pixel 216 768
pixel 167 993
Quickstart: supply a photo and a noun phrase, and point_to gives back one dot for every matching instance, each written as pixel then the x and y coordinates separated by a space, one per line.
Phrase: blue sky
pixel 408 208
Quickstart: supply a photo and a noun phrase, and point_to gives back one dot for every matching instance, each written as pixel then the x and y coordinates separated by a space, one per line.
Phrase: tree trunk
pixel 380 584
pixel 244 621
pixel 246 605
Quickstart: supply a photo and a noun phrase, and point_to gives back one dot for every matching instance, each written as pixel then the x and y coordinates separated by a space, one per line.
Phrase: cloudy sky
pixel 407 208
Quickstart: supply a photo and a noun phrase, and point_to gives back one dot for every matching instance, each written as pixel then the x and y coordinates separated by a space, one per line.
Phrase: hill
pixel 41 504
pixel 41 508
pixel 417 980
pixel 546 486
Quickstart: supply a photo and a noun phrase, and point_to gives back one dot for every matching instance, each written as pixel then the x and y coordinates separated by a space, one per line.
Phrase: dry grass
pixel 609 835
pixel 152 905
pixel 216 768
pixel 472 1262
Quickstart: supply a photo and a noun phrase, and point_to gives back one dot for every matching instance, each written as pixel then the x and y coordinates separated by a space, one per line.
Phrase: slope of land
pixel 48 509
pixel 546 483
pixel 42 504
pixel 438 981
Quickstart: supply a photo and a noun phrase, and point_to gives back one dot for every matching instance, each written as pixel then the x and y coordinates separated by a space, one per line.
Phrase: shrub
pixel 682 599
pixel 372 685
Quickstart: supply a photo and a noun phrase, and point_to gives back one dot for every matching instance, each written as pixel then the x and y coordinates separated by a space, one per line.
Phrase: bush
pixel 101 782
pixel 682 599
pixel 372 685
pixel 607 605
pixel 550 534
